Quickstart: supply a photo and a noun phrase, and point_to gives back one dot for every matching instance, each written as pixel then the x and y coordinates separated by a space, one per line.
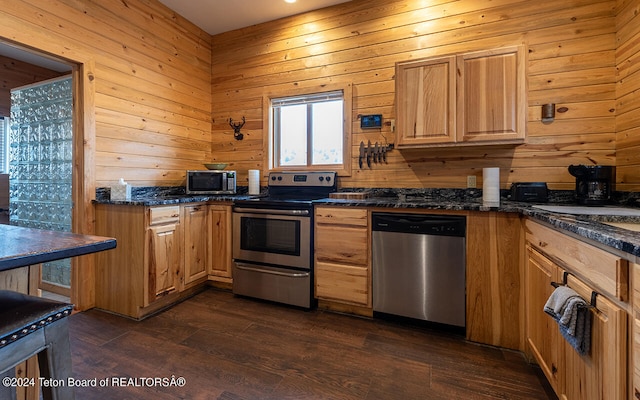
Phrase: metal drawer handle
pixel 266 271
pixel 271 211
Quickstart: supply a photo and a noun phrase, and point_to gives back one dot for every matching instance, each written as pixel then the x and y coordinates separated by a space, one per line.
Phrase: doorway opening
pixel 40 150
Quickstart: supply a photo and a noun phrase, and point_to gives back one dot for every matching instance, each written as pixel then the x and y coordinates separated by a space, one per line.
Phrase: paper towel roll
pixel 491 187
pixel 254 181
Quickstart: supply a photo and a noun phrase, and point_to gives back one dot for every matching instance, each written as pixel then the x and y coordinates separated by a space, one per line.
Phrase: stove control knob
pixel 273 178
pixel 279 178
pixel 328 179
pixel 321 178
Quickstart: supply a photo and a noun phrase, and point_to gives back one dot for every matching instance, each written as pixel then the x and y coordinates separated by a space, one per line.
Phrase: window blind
pixel 307 99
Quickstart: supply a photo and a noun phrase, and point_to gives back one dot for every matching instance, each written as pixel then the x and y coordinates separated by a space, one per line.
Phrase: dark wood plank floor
pixel 234 348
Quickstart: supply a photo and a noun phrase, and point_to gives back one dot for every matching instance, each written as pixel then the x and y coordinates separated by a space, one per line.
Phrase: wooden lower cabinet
pixel 343 256
pixel 196 244
pixel 220 234
pixel 601 374
pixel 634 341
pixel 495 298
pixel 158 249
pixel 161 261
pixel 542 334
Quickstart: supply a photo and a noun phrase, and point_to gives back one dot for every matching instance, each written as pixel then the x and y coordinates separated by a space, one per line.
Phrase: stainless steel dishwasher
pixel 419 267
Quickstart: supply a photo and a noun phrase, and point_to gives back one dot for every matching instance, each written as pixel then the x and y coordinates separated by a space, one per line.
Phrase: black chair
pixel 34 325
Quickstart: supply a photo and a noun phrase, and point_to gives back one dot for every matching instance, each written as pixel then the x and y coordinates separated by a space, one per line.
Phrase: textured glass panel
pixel 40 163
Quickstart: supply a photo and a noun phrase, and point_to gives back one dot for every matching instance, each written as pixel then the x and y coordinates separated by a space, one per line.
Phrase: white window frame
pixel 271 140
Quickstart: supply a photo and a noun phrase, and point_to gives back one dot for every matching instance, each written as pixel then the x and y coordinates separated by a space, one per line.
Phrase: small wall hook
pixel 236 128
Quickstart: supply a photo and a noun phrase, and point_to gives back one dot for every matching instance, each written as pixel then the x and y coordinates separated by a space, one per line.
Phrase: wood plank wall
pixel 571 62
pixel 152 80
pixel 628 95
pixel 16 73
pixel 153 71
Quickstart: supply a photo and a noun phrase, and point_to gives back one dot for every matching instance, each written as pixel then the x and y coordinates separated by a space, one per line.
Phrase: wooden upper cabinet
pixel 465 99
pixel 491 96
pixel 426 102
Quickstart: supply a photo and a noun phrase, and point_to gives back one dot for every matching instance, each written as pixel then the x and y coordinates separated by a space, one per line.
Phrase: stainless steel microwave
pixel 211 182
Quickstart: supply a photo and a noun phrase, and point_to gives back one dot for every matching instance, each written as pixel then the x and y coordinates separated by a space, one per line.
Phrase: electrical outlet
pixel 471 181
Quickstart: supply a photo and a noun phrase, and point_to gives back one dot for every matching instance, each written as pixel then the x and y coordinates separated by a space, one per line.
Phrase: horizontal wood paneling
pixel 628 94
pixel 152 81
pixel 16 73
pixel 161 101
pixel 571 62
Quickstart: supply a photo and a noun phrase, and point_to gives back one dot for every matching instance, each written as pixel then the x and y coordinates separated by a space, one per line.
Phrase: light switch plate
pixel 471 182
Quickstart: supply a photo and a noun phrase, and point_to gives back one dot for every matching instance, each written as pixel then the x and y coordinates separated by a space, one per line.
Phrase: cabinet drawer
pixel 342 216
pixel 342 282
pixel 607 271
pixel 164 215
pixel 342 244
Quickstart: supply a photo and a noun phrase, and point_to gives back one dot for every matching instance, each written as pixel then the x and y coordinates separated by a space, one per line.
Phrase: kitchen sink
pixel 585 210
pixel 630 226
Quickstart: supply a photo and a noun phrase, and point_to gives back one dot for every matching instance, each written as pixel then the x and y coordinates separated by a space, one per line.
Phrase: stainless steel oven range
pixel 273 238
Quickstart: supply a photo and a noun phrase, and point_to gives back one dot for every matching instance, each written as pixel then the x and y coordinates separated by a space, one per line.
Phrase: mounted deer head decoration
pixel 236 128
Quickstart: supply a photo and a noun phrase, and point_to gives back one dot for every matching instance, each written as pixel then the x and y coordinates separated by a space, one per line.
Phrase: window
pixel 310 131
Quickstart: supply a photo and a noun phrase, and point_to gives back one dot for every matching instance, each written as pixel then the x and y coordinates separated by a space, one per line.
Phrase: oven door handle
pixel 271 211
pixel 267 271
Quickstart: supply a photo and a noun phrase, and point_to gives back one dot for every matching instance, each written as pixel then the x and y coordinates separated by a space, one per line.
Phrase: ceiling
pixel 32 58
pixel 212 16
pixel 217 16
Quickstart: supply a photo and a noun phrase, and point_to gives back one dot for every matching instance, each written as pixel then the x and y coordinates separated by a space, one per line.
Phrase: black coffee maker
pixel 594 183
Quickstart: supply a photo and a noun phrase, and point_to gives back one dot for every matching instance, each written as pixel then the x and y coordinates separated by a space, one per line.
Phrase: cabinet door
pixel 425 101
pixel 220 233
pixel 491 102
pixel 162 261
pixel 635 338
pixel 602 374
pixel 542 332
pixel 494 279
pixel 196 242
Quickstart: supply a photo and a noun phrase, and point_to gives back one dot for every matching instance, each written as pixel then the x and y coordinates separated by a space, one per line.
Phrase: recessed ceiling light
pixel 290 1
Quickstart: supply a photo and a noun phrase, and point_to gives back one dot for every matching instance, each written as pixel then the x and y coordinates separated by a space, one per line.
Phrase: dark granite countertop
pixel 592 227
pixel 173 199
pixel 164 196
pixel 20 246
